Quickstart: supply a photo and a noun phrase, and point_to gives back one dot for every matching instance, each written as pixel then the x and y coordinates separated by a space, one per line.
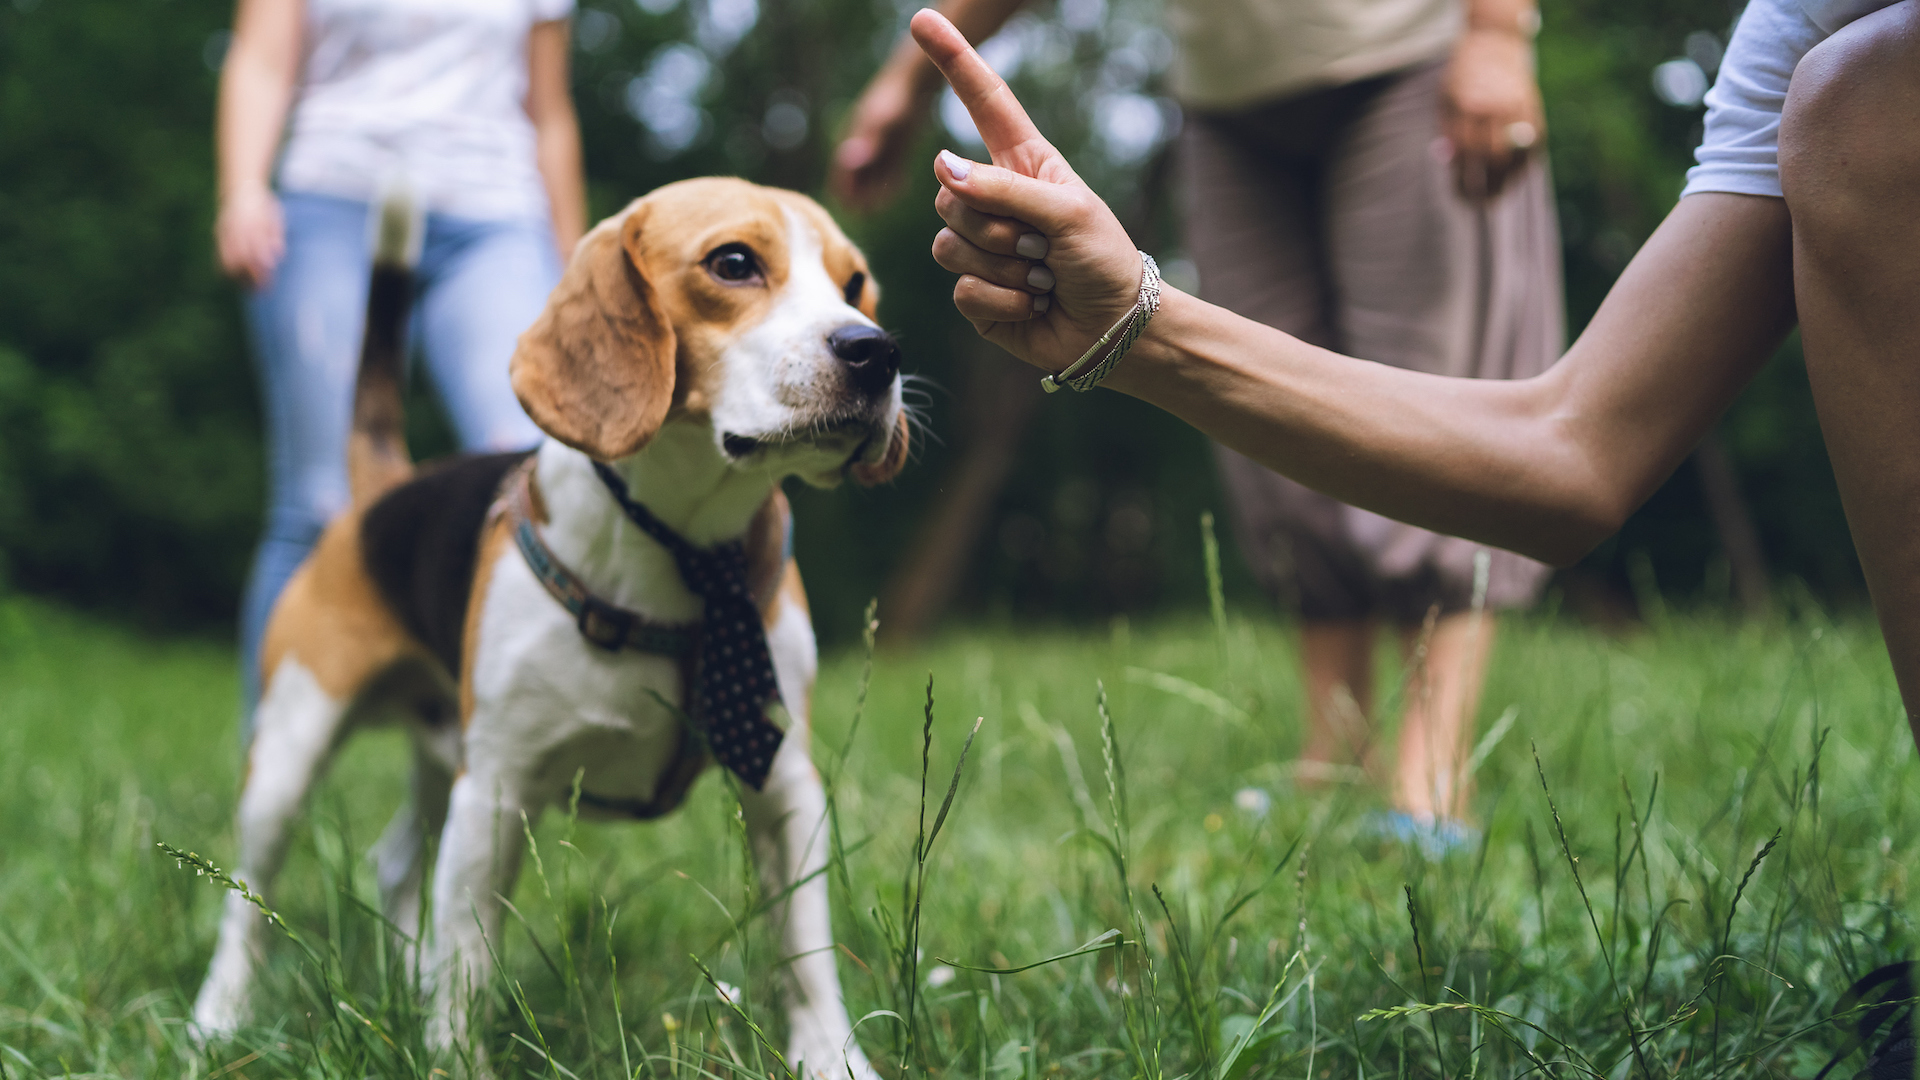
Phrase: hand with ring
pixel 1490 109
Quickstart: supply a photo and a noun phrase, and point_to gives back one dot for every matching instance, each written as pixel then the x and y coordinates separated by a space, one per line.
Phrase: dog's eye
pixel 733 262
pixel 856 285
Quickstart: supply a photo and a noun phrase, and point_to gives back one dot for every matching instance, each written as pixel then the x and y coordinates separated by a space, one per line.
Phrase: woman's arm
pixel 556 131
pixel 872 155
pixel 1547 466
pixel 256 89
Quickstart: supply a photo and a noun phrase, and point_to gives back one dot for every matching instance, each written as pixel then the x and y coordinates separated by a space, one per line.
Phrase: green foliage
pixel 129 460
pixel 1714 841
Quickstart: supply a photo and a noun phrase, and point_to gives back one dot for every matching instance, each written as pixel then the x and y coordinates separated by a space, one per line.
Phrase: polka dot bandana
pixel 733 669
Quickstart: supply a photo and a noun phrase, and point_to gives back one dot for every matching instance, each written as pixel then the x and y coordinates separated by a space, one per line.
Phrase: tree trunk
pixel 999 397
pixel 1731 518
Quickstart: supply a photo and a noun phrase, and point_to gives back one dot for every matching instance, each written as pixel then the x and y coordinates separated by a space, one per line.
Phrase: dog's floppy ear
pixel 889 466
pixel 595 371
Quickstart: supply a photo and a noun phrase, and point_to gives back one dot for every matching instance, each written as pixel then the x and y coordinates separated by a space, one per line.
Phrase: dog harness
pixel 724 657
pixel 607 625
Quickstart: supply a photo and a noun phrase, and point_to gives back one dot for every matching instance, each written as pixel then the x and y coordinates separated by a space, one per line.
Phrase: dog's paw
pixel 219 1010
pixel 206 1036
pixel 818 1057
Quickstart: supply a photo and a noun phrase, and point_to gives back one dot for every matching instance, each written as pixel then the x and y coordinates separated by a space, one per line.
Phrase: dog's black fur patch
pixel 421 540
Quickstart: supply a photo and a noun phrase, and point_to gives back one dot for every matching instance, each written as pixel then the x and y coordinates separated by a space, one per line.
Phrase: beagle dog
pixel 537 639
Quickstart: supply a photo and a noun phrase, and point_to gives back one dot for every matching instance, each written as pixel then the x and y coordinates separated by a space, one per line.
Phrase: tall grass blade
pixel 1216 589
pixel 1426 990
pixel 1111 939
pixel 1613 978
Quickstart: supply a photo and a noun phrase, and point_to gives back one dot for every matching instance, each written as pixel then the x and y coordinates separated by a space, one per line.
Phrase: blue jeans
pixel 480 284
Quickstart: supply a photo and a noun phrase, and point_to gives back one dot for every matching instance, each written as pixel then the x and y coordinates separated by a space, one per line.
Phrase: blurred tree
pixel 130 469
pixel 129 460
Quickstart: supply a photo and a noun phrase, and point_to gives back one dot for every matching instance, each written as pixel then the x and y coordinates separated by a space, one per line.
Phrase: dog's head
pixel 720 299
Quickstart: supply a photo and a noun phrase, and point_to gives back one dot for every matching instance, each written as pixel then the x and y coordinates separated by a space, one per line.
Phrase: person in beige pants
pixel 1364 175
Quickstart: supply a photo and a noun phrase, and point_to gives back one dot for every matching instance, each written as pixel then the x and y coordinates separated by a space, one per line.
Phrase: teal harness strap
pixel 606 625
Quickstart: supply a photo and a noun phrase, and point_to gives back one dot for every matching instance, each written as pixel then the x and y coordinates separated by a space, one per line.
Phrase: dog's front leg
pixel 479 857
pixel 297 726
pixel 399 856
pixel 787 821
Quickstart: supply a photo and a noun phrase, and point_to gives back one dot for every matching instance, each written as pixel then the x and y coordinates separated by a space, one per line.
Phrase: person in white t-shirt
pixel 465 102
pixel 1806 204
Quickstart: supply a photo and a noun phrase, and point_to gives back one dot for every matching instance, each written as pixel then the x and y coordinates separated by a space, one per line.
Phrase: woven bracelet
pixel 1085 373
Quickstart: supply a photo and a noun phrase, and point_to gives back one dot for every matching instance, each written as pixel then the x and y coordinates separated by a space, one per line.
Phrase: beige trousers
pixel 1333 216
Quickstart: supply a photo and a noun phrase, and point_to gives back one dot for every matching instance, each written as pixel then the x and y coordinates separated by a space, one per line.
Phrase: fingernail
pixel 1031 246
pixel 1040 278
pixel 1041 304
pixel 956 164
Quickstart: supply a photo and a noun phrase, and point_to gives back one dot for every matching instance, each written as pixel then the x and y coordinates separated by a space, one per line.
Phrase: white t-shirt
pixel 1741 150
pixel 432 90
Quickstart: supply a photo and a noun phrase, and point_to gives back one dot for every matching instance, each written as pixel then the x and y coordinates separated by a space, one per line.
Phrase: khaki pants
pixel 1333 216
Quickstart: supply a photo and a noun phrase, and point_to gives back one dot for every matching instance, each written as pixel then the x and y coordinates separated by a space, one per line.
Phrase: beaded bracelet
pixel 1128 330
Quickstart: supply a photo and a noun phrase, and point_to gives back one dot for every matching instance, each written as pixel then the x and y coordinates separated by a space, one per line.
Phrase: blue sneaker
pixel 1436 837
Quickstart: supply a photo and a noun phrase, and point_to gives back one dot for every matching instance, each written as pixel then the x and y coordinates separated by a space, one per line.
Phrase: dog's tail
pixel 377 457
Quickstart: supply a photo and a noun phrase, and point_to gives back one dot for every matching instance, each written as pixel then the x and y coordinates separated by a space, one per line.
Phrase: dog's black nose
pixel 871 357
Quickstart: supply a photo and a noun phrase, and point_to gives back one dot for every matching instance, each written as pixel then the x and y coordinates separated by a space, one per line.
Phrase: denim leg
pixel 482 284
pixel 306 327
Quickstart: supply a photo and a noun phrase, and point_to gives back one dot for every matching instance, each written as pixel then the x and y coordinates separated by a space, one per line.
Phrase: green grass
pixel 110 743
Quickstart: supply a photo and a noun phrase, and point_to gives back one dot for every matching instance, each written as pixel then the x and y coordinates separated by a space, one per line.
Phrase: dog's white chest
pixel 548 704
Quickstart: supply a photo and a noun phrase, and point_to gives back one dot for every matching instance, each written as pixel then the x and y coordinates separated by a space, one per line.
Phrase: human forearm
pixel 252 110
pixel 886 120
pixel 1547 466
pixel 256 89
pixel 557 148
pixel 556 129
pixel 977 19
pixel 1485 459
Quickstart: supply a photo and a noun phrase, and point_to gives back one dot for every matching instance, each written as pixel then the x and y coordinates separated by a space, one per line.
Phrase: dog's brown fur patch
pixel 332 618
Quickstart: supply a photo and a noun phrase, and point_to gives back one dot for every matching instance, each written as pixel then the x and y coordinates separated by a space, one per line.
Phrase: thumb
pixel 1055 209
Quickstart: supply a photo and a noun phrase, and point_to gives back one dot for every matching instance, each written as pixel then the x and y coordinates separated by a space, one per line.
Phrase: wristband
pixel 1085 373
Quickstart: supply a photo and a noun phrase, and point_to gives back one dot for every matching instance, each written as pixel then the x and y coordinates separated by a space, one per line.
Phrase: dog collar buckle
pixel 603 625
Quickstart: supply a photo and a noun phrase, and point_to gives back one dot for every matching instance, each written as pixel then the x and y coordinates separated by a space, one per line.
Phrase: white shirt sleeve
pixel 550 10
pixel 1741 150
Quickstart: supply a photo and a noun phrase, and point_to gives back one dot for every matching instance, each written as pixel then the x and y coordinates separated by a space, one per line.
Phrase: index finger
pixel 1002 121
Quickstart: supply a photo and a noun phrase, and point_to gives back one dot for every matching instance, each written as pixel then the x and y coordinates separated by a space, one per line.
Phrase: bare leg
pixel 1449 669
pixel 1337 658
pixel 1850 164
